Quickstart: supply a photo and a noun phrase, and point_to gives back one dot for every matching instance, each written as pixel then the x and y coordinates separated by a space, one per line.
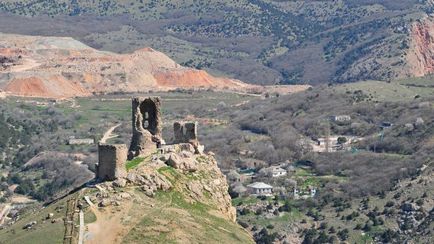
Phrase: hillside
pixel 373 186
pixel 155 203
pixel 55 67
pixel 376 187
pixel 257 41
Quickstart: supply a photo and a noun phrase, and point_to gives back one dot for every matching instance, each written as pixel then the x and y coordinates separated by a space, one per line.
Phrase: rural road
pixel 108 134
pixel 81 232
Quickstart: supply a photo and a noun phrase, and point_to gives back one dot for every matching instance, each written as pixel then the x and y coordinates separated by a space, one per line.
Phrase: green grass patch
pixel 302 172
pixel 311 181
pixel 131 164
pixel 244 201
pixel 171 174
pixel 89 216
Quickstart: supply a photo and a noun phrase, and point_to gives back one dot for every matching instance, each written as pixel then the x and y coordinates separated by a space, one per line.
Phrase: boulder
pixel 121 182
pixel 186 164
pixel 409 127
pixel 200 149
pixel 125 195
pixel 195 190
pixel 148 191
pixel 187 147
pixel 419 122
pixel 104 203
pixel 131 177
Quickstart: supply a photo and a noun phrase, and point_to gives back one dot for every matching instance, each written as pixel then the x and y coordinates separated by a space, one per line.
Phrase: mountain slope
pixel 258 41
pixel 63 67
pixel 155 203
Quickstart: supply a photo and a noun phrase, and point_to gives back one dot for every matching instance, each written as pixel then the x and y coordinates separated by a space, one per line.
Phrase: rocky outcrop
pixel 181 163
pixel 420 56
pixel 195 176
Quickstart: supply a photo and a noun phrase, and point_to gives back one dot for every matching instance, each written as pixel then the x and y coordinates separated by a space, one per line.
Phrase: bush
pixel 389 204
pixel 243 224
pixel 343 234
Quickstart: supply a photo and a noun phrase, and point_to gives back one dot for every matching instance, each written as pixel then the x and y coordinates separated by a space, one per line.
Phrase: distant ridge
pixel 61 67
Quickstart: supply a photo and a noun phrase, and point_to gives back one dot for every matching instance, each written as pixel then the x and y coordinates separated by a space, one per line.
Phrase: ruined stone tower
pixel 111 161
pixel 146 116
pixel 186 132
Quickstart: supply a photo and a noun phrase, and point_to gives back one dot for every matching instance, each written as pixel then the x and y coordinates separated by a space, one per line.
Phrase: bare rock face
pixel 120 182
pixel 146 115
pixel 149 181
pixel 182 163
pixel 195 177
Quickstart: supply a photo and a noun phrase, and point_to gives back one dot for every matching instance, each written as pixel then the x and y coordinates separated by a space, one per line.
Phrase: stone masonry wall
pixel 147 126
pixel 111 161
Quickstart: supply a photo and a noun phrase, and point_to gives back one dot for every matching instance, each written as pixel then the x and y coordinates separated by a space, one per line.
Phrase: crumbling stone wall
pixel 111 161
pixel 147 125
pixel 186 132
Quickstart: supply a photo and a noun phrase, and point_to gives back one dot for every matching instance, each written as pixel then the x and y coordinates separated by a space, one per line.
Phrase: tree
pixel 342 140
pixel 343 234
pixel 264 237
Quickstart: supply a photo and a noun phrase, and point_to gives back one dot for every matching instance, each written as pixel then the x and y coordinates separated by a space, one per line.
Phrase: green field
pixel 394 91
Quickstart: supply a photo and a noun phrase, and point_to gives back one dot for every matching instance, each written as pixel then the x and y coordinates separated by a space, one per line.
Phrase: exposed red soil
pixel 55 87
pixel 62 68
pixel 420 56
pixel 193 79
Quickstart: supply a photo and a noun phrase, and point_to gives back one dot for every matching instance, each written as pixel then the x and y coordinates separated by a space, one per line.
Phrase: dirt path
pixel 26 65
pixel 4 213
pixel 81 232
pixel 108 134
pixel 107 228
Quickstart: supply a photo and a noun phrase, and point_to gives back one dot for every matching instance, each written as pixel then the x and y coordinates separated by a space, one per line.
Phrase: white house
pixel 277 172
pixel 341 118
pixel 85 141
pixel 260 188
pixel 309 193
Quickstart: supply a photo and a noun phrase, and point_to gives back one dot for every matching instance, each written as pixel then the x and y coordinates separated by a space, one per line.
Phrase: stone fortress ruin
pixel 146 139
pixel 146 124
pixel 111 160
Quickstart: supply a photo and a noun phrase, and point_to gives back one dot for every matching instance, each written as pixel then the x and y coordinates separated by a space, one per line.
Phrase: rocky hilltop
pixel 154 203
pixel 179 201
pixel 163 193
pixel 56 67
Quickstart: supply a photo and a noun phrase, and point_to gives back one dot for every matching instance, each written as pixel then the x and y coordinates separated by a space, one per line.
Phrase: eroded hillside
pixel 63 67
pixel 257 41
pixel 155 203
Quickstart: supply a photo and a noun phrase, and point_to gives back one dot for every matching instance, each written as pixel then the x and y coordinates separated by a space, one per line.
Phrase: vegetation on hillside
pixel 258 41
pixel 363 193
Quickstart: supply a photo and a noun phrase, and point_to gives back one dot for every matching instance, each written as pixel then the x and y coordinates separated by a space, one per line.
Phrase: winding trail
pixel 4 213
pixel 81 232
pixel 109 133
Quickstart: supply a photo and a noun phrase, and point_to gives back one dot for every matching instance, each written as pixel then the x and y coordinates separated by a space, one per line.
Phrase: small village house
pixel 260 189
pixel 277 172
pixel 85 141
pixel 341 118
pixel 304 194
